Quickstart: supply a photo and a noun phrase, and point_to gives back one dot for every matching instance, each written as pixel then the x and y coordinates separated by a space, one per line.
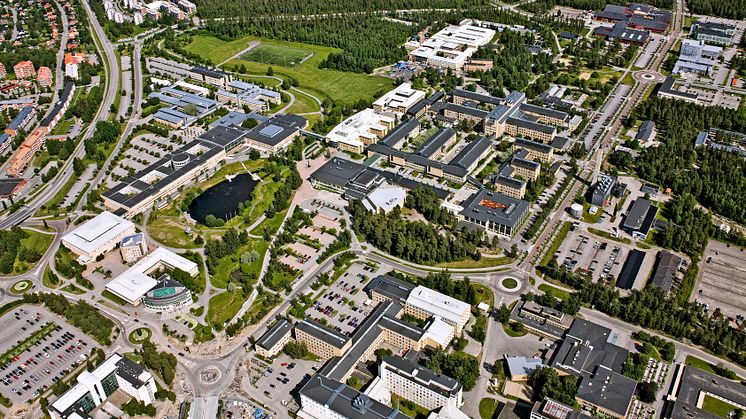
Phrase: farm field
pixel 336 85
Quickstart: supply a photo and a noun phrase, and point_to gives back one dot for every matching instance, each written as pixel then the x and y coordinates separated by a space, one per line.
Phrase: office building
pixel 636 16
pixel 552 409
pixel 472 154
pixel 388 288
pixel 399 100
pixel 509 186
pixel 666 270
pixel 601 193
pixel 622 33
pixel 321 340
pixel 691 386
pixel 425 303
pixel 668 90
pixel 405 131
pixel 134 283
pixel 133 247
pixel 462 113
pixel 256 98
pixel 540 320
pixel 182 106
pixel 640 218
pixel 461 96
pixel 494 213
pixel 520 367
pixel 437 144
pixel 91 389
pixel 478 64
pixel 697 57
pixel 361 129
pixel 24 70
pixel 385 198
pixel 276 134
pixel 450 47
pixel 97 236
pixel 713 32
pixel 273 340
pixel 323 398
pixel 177 70
pixel 534 151
pixel 413 382
pixel 167 296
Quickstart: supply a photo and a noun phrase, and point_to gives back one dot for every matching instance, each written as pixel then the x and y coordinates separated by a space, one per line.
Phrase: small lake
pixel 222 199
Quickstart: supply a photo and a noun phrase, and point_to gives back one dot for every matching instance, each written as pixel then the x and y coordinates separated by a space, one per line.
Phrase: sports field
pixel 276 55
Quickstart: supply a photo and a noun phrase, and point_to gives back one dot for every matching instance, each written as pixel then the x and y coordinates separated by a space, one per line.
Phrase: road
pixel 111 64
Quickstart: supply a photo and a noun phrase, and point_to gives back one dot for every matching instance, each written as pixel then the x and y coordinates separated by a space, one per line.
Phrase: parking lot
pixel 584 252
pixel 39 350
pixel 343 305
pixel 722 280
pixel 278 380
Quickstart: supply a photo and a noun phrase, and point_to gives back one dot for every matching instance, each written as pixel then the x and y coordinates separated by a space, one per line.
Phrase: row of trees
pixel 732 9
pixel 80 314
pixel 162 363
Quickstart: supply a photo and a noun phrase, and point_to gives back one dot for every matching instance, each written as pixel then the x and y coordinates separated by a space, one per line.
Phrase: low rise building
pixel 182 107
pixel 534 151
pixel 452 46
pixel 697 57
pixel 668 90
pixel 495 213
pixel 647 132
pixel 713 32
pixel 256 98
pixel 691 387
pixel 97 236
pixel 437 144
pixel 478 64
pixel 520 367
pixel 276 134
pixel 541 320
pixel 133 247
pixel 640 218
pixel 177 70
pixel 552 409
pixel 666 270
pixel 399 100
pixel 320 340
pixel 510 186
pixel 273 340
pixel 91 389
pixel 361 129
pixel 425 303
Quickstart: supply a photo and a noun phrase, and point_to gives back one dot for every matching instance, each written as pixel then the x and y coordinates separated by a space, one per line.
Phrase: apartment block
pixel 321 341
pixel 24 69
pixel 271 343
pixel 411 381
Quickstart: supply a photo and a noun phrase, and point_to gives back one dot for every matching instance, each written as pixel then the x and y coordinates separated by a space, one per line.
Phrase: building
pixel 321 340
pixel 697 57
pixel 462 113
pixel 622 33
pixel 97 236
pixel 713 32
pixel 601 193
pixel 509 186
pixel 647 132
pixel 21 121
pixel 668 90
pixel 630 269
pixel 437 144
pixel 552 409
pixel 640 218
pixel 478 64
pixel 91 389
pixel 666 270
pixel 177 70
pixel 413 382
pixel 133 247
pixel 399 100
pixel 182 106
pixel 256 98
pixel 425 303
pixel 405 131
pixel 361 129
pixel 273 340
pixel 520 367
pixel 636 15
pixel 323 397
pixel 470 157
pixel 452 46
pixel 461 96
pixel 385 198
pixel 275 134
pixel 388 288
pixel 134 283
pixel 535 151
pixel 540 320
pixel 9 188
pixel 44 77
pixel 690 386
pixel 520 127
pixel 167 296
pixel 589 353
pixel 494 213
pixel 24 70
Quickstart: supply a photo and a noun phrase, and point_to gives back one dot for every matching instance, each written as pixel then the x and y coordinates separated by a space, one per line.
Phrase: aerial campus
pixel 372 209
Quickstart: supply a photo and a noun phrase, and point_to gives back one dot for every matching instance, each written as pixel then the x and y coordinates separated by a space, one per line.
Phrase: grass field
pixel 487 407
pixel 113 297
pixel 717 407
pixel 484 294
pixel 36 241
pixel 556 243
pixel 484 262
pixel 224 306
pixel 276 55
pixel 337 85
pixel 303 104
pixel 556 292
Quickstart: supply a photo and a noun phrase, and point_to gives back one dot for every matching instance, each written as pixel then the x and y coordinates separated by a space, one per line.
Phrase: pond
pixel 222 199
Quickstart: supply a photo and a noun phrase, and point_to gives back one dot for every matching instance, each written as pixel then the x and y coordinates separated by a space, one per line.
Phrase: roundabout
pixel 209 375
pixel 649 77
pixel 140 335
pixel 509 284
pixel 21 286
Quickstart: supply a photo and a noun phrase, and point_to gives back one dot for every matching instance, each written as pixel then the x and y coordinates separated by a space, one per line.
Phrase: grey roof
pixel 401 327
pixel 346 401
pixel 527 164
pixel 542 325
pixel 3 138
pixel 66 92
pixel 630 269
pixel 232 118
pixel 553 409
pixel 472 152
pixel 22 115
pixel 500 113
pixel 715 26
pixel 8 185
pixel 508 211
pixel 438 383
pixel 532 145
pixel 658 25
pixel 693 382
pixel 418 160
pixel 665 270
pixel 434 143
pixel 323 333
pixel 638 215
pixel 586 346
pixel 668 87
pixel 552 113
pixel 478 97
pixel 222 136
pixel 209 72
pixel 645 131
pixel 608 389
pixel 400 132
pixel 467 110
pixel 129 370
pixel 276 129
pixel 560 143
pixel 392 287
pixel 509 181
pixel 274 334
pixel 338 172
pixel 546 129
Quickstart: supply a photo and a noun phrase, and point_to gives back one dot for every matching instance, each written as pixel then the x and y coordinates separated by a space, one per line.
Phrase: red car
pixel 284 364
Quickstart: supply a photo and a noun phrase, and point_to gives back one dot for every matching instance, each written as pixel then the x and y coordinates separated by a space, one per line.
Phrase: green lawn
pixel 483 262
pixel 409 408
pixel 487 407
pixel 556 243
pixel 484 294
pixel 39 242
pixel 608 235
pixel 276 55
pixel 113 297
pixel 73 289
pixel 717 407
pixel 338 85
pixel 232 263
pixel 556 292
pixel 140 335
pixel 303 104
pixel 224 306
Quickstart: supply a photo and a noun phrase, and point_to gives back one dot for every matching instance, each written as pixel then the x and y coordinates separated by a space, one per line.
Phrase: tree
pixel 461 366
pixel 513 251
pixel 296 350
pixel 382 353
pixel 546 382
pixel 270 71
pixel 646 391
pixel 250 123
pixel 254 154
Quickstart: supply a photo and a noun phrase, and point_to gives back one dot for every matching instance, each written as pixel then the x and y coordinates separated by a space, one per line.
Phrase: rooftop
pixel 472 152
pixel 98 231
pixel 332 337
pixel 485 205
pixel 438 304
pixel 346 401
pixel 277 129
pixel 274 334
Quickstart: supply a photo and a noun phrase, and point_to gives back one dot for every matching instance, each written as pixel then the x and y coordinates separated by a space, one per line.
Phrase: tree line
pixel 732 9
pixel 80 314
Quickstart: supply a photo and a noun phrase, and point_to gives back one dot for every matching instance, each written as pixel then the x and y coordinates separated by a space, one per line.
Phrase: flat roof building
pixel 452 46
pixel 361 129
pixel 494 212
pixel 666 269
pixel 320 340
pixel 640 218
pixel 276 134
pixel 399 100
pixel 425 303
pixel 97 236
pixel 274 339
pixel 689 388
pixel 422 386
pixel 520 367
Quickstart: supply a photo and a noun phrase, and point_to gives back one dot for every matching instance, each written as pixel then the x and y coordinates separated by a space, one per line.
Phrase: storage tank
pixel 576 210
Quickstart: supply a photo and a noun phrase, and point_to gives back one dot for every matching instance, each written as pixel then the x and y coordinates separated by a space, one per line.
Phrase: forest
pixel 427 203
pixel 720 176
pixel 732 9
pixel 415 241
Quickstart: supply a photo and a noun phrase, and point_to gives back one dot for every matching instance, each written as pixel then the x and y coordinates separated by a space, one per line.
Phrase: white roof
pixel 97 231
pixel 385 197
pixel 437 304
pixel 483 306
pixel 86 380
pixel 402 96
pixel 448 411
pixel 454 44
pixel 133 283
pixel 520 365
pixel 440 332
pixel 359 125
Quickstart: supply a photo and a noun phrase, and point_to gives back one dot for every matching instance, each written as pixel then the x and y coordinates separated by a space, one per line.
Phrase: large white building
pixel 399 100
pixel 452 46
pixel 93 388
pixel 424 303
pixel 361 129
pixel 136 281
pixel 416 383
pixel 97 236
